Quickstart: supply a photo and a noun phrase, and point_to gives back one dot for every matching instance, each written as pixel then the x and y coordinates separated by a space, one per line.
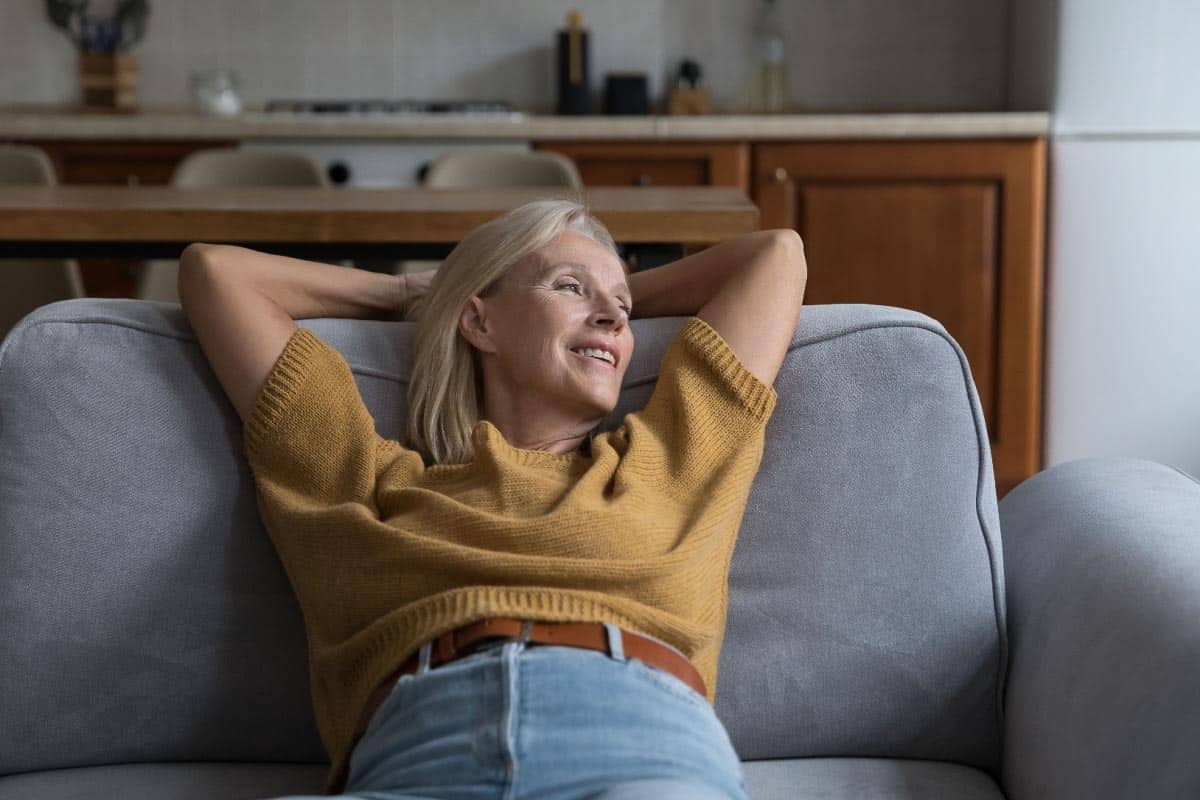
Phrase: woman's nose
pixel 609 313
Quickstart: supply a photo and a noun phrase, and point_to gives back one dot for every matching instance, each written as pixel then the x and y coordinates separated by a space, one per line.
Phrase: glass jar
pixel 769 81
pixel 216 92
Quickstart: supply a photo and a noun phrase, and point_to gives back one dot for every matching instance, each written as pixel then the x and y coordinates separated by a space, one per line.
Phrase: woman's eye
pixel 628 311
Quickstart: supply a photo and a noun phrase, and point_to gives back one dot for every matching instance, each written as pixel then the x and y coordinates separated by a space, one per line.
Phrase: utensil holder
pixel 109 81
pixel 681 100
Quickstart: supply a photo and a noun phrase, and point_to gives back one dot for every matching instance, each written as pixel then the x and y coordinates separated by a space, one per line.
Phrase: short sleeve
pixel 707 409
pixel 309 432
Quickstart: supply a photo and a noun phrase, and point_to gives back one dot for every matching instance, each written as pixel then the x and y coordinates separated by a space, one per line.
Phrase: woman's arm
pixel 306 289
pixel 242 305
pixel 682 287
pixel 749 289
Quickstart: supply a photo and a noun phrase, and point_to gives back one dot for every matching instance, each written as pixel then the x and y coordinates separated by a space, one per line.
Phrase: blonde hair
pixel 445 392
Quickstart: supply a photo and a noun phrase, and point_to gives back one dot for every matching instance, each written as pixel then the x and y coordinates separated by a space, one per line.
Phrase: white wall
pixel 1123 260
pixel 845 55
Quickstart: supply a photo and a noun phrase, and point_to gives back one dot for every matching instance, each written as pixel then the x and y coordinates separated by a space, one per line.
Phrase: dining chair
pixel 485 169
pixel 482 168
pixel 158 278
pixel 26 284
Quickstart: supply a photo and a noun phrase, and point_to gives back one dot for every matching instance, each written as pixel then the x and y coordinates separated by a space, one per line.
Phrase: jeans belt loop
pixel 616 646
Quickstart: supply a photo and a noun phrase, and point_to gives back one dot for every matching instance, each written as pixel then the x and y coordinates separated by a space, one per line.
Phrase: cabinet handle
pixel 642 180
pixel 131 180
pixel 779 175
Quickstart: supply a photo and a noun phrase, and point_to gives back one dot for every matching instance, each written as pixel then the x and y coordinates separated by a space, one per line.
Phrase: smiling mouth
pixel 595 360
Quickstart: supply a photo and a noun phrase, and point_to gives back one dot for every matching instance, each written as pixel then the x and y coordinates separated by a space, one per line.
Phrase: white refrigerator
pixel 1122 82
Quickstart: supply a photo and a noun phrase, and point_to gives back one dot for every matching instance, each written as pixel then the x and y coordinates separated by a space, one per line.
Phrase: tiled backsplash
pixel 844 55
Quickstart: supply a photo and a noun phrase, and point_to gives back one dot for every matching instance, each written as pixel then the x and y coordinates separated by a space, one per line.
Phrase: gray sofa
pixel 884 639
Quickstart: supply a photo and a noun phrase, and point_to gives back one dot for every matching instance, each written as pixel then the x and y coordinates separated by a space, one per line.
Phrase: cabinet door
pixel 952 229
pixel 658 164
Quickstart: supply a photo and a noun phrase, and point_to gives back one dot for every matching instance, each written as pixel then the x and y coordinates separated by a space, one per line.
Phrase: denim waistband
pixel 616 648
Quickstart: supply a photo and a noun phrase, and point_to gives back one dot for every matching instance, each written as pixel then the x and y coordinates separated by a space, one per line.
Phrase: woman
pixel 512 603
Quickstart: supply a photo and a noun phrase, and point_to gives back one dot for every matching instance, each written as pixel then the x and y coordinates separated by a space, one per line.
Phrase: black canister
pixel 625 93
pixel 574 88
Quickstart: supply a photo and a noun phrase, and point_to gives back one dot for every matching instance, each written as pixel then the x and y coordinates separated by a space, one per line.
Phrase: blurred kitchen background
pixel 842 55
pixel 1068 272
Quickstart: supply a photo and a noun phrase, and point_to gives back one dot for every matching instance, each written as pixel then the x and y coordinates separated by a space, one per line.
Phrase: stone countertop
pixel 48 122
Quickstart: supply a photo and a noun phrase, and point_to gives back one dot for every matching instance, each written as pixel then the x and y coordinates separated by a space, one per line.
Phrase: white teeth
pixel 595 352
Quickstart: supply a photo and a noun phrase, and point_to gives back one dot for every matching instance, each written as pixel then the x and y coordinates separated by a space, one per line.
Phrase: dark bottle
pixel 574 88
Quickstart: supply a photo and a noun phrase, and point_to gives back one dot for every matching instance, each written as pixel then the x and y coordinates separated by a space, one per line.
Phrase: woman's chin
pixel 597 397
pixel 596 406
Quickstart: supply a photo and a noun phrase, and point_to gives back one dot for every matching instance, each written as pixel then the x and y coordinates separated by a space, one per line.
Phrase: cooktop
pixel 390 106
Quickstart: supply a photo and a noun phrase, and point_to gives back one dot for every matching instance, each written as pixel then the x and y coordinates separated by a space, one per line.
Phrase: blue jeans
pixel 520 721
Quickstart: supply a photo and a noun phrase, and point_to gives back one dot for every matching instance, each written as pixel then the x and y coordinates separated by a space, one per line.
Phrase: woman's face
pixel 530 333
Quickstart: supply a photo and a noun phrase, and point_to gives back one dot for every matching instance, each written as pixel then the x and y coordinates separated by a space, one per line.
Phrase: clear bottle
pixel 769 84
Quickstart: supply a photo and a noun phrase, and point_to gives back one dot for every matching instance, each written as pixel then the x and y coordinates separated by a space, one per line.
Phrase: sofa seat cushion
pixel 167 781
pixel 779 779
pixel 866 779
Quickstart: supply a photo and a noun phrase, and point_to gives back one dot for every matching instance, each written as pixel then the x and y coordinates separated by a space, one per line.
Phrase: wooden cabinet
pixel 658 164
pixel 129 163
pixel 953 229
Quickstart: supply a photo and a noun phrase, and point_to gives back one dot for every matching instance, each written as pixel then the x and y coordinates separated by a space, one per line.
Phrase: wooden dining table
pixel 329 222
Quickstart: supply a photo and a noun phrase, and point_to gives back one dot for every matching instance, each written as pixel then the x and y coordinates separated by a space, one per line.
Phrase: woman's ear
pixel 473 325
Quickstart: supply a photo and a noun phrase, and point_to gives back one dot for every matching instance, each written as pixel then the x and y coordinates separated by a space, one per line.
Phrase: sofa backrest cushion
pixel 144 615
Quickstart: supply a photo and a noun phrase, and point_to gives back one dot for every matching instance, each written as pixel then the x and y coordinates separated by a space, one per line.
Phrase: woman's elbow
pixel 788 242
pixel 788 252
pixel 198 253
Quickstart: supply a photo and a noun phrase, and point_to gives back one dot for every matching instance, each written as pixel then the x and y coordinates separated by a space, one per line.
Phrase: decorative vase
pixel 109 81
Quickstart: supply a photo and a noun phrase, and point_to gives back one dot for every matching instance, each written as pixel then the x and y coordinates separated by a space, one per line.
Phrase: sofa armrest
pixel 1102 565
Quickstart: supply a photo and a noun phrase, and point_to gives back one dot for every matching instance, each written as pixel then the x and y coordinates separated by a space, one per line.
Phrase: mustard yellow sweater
pixel 385 553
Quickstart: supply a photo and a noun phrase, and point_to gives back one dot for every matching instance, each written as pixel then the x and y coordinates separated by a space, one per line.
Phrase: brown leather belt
pixel 590 635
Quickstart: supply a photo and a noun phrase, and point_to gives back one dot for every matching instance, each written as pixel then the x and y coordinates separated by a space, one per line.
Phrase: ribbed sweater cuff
pixel 285 378
pixel 756 396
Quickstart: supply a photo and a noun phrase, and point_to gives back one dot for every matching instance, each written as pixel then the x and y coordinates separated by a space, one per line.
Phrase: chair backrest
pixel 25 165
pixel 146 616
pixel 481 168
pixel 26 284
pixel 158 279
pixel 486 169
pixel 234 167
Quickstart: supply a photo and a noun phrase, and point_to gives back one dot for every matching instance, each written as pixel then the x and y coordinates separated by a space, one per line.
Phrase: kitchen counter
pixel 31 122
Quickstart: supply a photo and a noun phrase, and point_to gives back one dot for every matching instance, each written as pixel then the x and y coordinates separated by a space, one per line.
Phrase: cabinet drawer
pixel 644 172
pixel 124 163
pixel 657 164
